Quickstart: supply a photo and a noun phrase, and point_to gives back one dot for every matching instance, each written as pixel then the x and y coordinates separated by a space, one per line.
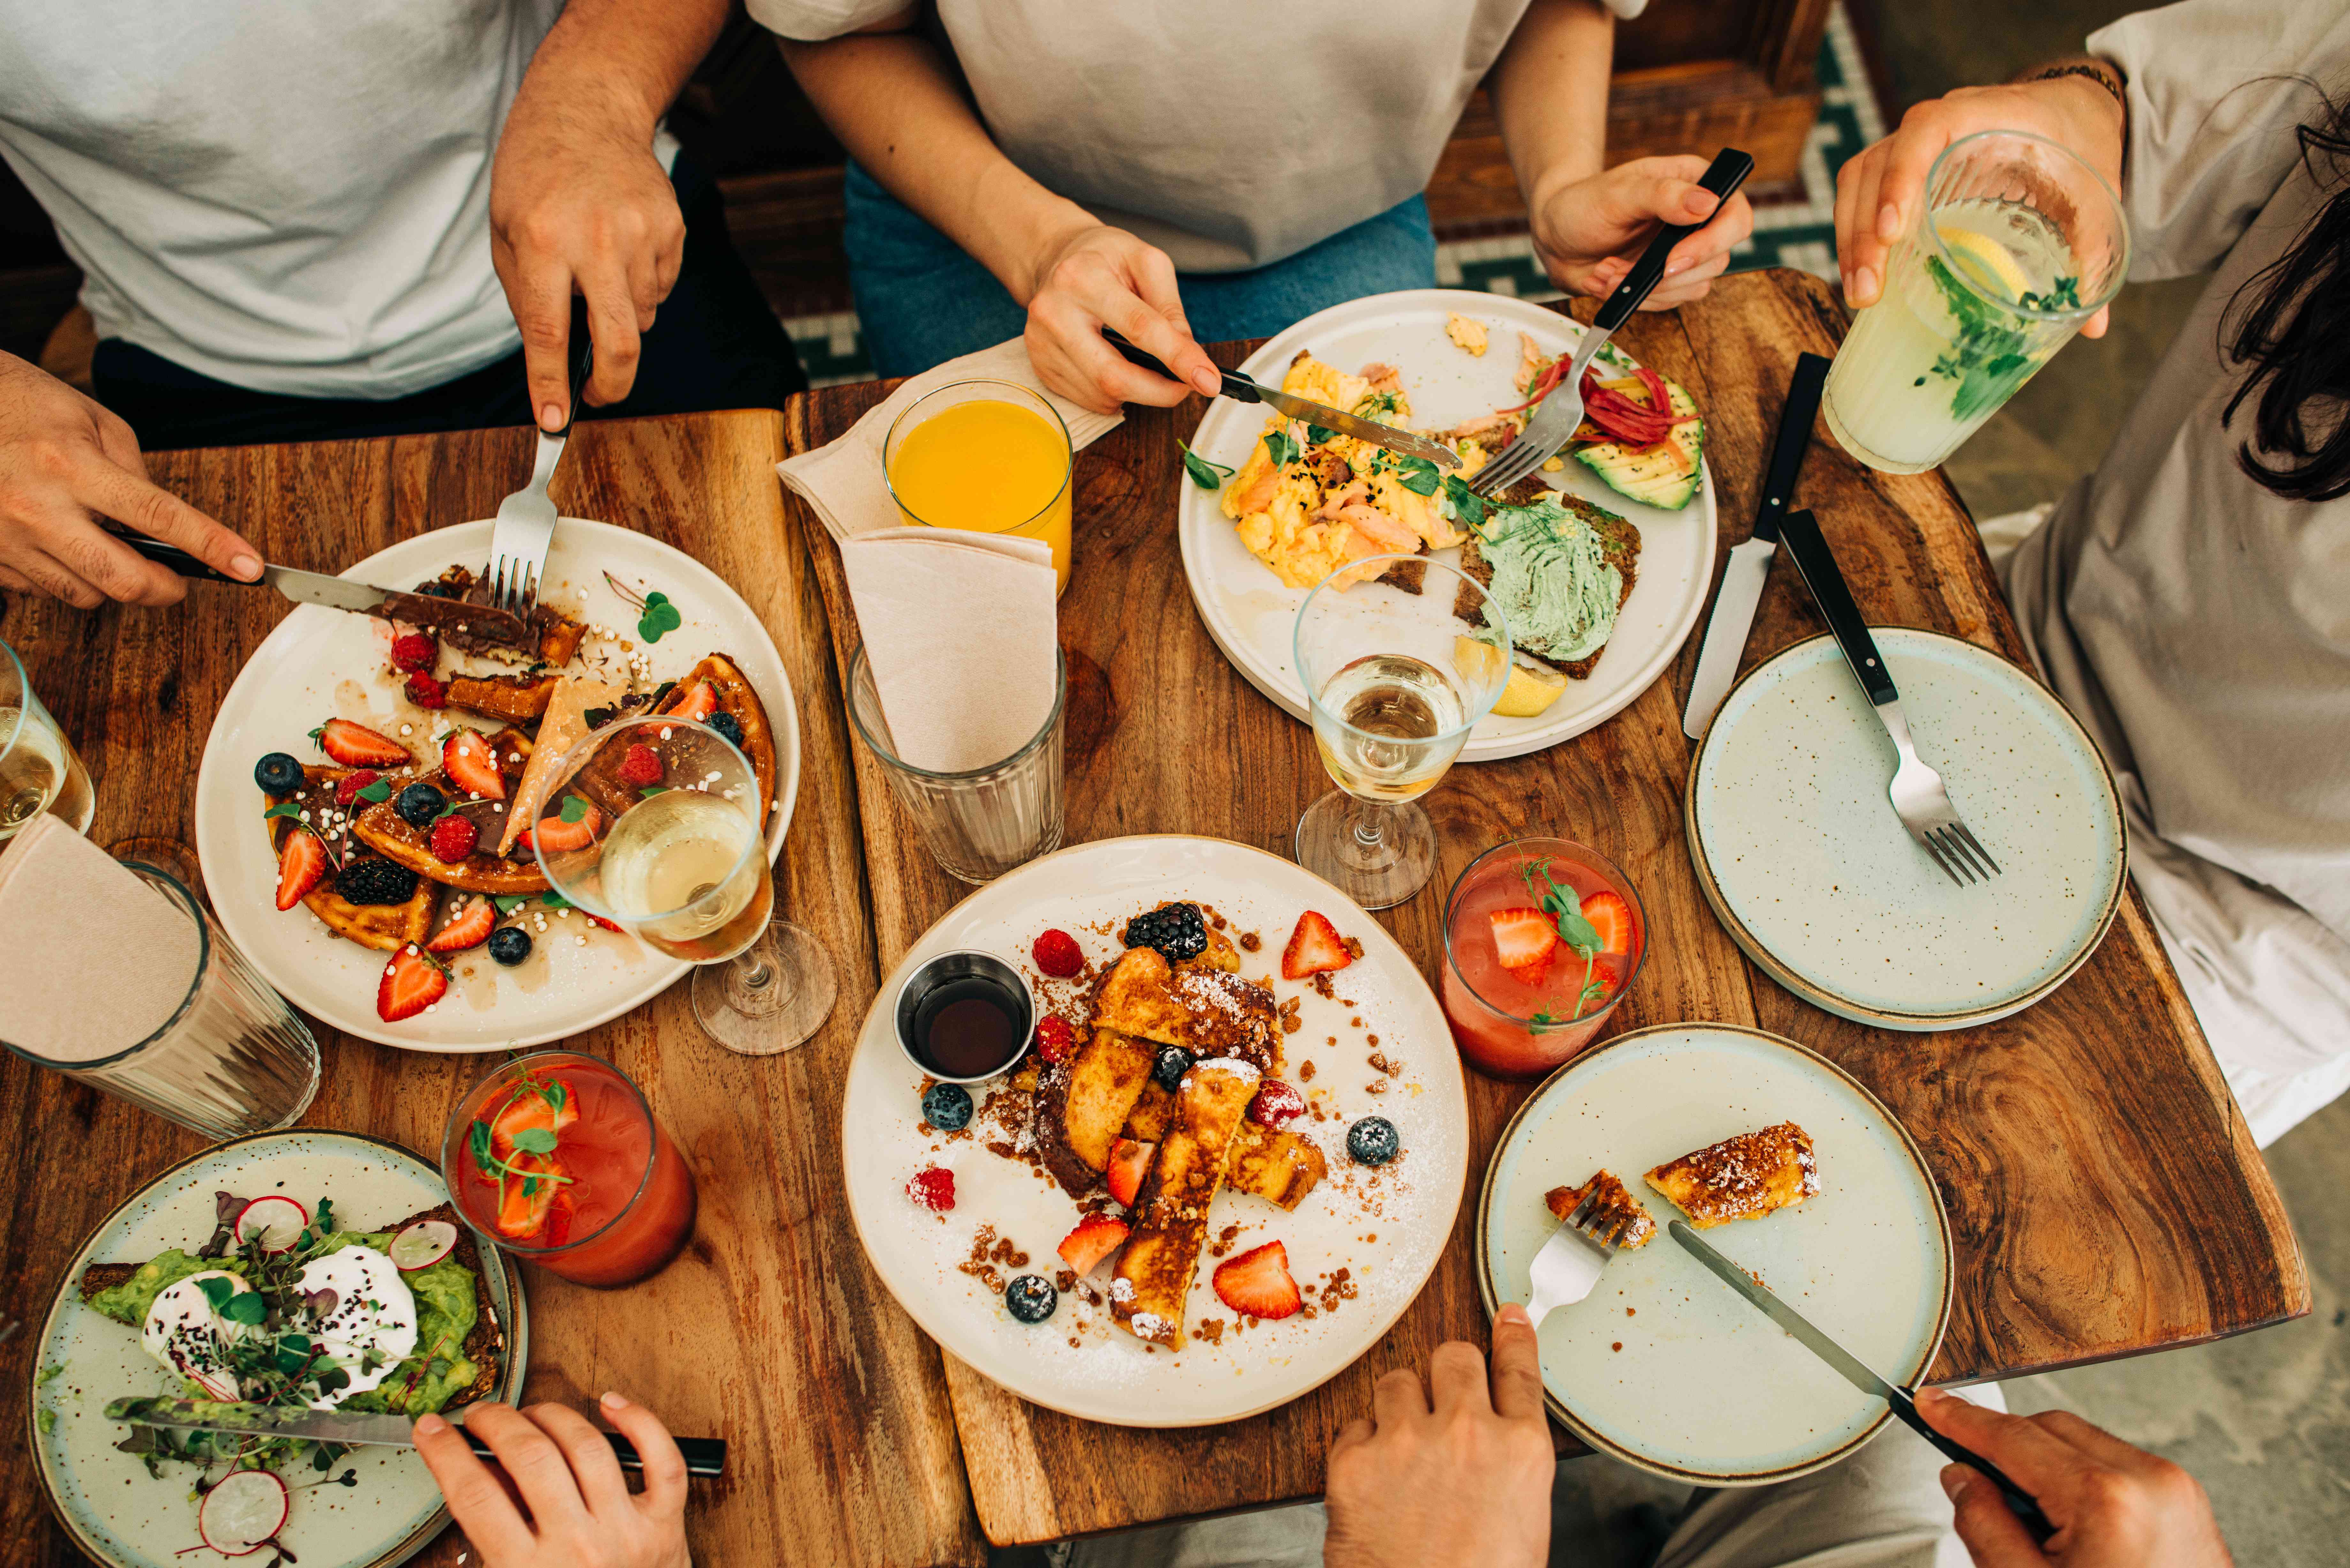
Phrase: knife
pixel 341 593
pixel 1239 389
pixel 1857 1373
pixel 703 1456
pixel 1750 562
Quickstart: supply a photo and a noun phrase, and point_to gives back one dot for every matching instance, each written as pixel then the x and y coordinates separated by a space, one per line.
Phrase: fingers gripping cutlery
pixel 1567 1268
pixel 526 522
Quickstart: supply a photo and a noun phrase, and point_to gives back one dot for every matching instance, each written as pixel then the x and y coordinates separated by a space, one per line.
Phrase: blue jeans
pixel 921 300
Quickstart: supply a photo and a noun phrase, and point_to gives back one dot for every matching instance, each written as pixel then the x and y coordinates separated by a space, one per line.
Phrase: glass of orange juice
pixel 989 456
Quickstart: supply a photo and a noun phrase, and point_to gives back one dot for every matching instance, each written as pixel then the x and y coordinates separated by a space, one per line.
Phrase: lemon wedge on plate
pixel 1529 692
pixel 1988 265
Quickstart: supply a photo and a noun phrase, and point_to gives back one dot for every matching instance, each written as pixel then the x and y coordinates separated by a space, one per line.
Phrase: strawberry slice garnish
pixel 531 1110
pixel 301 865
pixel 554 832
pixel 524 1198
pixel 357 747
pixel 470 928
pixel 700 701
pixel 1258 1282
pixel 413 981
pixel 1096 1238
pixel 1523 939
pixel 1611 916
pixel 1313 947
pixel 1129 1162
pixel 469 761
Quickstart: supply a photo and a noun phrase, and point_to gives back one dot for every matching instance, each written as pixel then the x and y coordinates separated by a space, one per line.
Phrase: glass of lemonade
pixel 2018 243
pixel 1542 939
pixel 654 824
pixel 38 769
pixel 1396 681
pixel 991 457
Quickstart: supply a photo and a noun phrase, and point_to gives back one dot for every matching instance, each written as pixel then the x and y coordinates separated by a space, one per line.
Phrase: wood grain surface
pixel 770 1331
pixel 2105 1194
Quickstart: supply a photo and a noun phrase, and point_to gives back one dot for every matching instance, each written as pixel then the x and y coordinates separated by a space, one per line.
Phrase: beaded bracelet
pixel 2097 74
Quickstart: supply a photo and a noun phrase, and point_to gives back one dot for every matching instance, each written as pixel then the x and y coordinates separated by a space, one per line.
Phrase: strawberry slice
pixel 1096 1238
pixel 1611 916
pixel 466 757
pixel 529 1110
pixel 357 747
pixel 1523 939
pixel 413 981
pixel 1258 1284
pixel 1315 946
pixel 301 865
pixel 554 832
pixel 470 928
pixel 524 1199
pixel 1129 1161
pixel 700 701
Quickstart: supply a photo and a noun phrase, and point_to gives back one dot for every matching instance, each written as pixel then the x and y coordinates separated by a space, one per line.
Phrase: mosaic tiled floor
pixel 1796 231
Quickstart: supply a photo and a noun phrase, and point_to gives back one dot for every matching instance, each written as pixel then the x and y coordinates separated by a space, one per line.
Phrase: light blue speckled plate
pixel 1663 1365
pixel 1800 853
pixel 125 1518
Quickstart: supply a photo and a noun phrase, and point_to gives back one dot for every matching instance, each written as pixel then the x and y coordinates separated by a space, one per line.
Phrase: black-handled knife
pixel 1722 177
pixel 341 593
pixel 1800 531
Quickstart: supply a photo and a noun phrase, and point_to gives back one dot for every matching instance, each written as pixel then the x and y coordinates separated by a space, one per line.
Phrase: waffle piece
pixel 1616 1214
pixel 1151 1285
pixel 387 928
pixel 1279 1166
pixel 1742 1178
pixel 1209 1010
pixel 1082 1105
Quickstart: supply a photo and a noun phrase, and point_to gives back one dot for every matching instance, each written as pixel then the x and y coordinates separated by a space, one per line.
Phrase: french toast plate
pixel 1360 1245
pixel 321 663
pixel 1252 616
pixel 115 1512
pixel 1661 1365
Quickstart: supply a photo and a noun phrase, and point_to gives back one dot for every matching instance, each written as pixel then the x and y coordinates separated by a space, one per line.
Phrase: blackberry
pixel 947 1108
pixel 376 880
pixel 510 945
pixel 1175 930
pixel 1172 1064
pixel 418 803
pixel 277 773
pixel 728 725
pixel 1373 1141
pixel 437 590
pixel 1030 1298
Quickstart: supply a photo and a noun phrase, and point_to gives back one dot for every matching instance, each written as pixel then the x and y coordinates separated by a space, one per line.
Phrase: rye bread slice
pixel 1619 541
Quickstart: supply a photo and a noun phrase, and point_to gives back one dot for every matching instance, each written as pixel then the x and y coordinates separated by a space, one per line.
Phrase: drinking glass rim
pixel 195 981
pixel 1068 464
pixel 1027 748
pixel 757 846
pixel 1615 874
pixel 23 692
pixel 2031 313
pixel 653 1152
pixel 1498 622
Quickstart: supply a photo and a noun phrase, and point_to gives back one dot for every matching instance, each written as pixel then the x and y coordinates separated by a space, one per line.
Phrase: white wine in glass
pixel 38 769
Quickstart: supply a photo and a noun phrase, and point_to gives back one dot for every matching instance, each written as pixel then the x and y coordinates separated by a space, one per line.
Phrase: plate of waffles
pixel 352 806
pixel 1257 533
pixel 1225 1165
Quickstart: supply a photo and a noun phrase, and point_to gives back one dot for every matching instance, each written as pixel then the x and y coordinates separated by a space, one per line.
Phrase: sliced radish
pixel 238 1516
pixel 276 1222
pixel 422 1245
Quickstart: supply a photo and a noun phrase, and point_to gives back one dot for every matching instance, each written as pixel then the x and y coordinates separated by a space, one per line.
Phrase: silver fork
pixel 1568 1266
pixel 1916 792
pixel 1554 423
pixel 526 522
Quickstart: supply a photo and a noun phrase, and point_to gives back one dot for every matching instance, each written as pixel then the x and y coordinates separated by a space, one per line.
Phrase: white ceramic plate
pixel 1252 616
pixel 1665 1366
pixel 1801 854
pixel 320 663
pixel 125 1518
pixel 1075 1361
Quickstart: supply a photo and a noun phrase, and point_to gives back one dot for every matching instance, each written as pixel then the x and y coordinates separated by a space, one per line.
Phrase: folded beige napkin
pixel 94 960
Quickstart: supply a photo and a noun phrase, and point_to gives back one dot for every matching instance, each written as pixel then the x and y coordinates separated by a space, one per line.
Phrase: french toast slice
pixel 1614 1211
pixel 1278 1165
pixel 1151 1285
pixel 1742 1178
pixel 1082 1105
pixel 1209 1010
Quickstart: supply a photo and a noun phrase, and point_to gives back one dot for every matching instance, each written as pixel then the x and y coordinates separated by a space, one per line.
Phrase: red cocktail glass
pixel 1507 1025
pixel 556 1158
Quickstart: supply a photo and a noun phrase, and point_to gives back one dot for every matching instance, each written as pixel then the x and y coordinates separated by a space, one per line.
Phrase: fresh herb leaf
pixel 217 1292
pixel 1316 436
pixel 247 1307
pixel 477 1142
pixel 1281 445
pixel 596 718
pixel 292 808
pixel 574 808
pixel 1419 475
pixel 1990 356
pixel 535 1141
pixel 660 618
pixel 379 791
pixel 1207 475
pixel 554 901
pixel 508 903
pixel 1467 505
pixel 648 791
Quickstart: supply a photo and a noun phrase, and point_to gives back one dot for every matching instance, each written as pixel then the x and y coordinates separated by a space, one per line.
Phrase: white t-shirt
pixel 288 195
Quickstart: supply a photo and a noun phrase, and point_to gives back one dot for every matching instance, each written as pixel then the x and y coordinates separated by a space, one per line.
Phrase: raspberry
pixel 453 838
pixel 413 651
pixel 347 787
pixel 932 1187
pixel 1056 954
pixel 642 765
pixel 427 693
pixel 1055 1041
pixel 1275 1105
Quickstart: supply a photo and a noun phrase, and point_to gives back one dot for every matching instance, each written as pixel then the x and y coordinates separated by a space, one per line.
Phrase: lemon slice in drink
pixel 1987 264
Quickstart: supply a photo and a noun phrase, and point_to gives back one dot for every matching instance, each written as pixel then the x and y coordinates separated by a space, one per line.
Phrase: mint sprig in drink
pixel 2019 242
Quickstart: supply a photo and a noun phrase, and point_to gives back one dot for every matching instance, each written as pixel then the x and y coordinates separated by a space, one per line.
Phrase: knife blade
pixel 703 1456
pixel 1750 560
pixel 342 593
pixel 1242 389
pixel 1856 1372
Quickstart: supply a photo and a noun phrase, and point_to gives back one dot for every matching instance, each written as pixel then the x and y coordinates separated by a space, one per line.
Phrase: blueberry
pixel 1032 1298
pixel 727 725
pixel 1373 1141
pixel 1172 1064
pixel 418 803
pixel 277 773
pixel 947 1108
pixel 376 880
pixel 510 945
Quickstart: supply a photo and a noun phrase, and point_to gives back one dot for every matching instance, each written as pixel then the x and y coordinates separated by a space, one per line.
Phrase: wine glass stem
pixel 752 969
pixel 1370 823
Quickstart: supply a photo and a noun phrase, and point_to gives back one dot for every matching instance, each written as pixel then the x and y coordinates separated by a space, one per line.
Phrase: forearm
pixel 1550 94
pixel 621 61
pixel 889 100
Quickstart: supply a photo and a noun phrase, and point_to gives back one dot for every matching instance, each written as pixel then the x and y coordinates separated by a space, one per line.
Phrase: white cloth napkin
pixel 93 959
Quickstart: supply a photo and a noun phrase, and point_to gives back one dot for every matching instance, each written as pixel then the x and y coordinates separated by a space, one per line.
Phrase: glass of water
pixel 38 769
pixel 1396 681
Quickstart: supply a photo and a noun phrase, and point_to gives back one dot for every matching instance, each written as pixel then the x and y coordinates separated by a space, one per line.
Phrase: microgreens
pixel 1207 475
pixel 574 809
pixel 1316 436
pixel 1467 505
pixel 539 1141
pixel 656 615
pixel 1281 446
pixel 1564 907
pixel 379 791
pixel 1416 474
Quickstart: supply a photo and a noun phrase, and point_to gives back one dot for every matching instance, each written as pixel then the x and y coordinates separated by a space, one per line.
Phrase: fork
pixel 1554 423
pixel 526 522
pixel 1919 797
pixel 1568 1266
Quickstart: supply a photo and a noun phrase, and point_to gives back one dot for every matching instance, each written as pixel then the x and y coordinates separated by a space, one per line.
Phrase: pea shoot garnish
pixel 540 1141
pixel 1564 907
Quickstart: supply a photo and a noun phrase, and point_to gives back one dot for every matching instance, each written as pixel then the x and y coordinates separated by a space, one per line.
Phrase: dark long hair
pixel 2292 326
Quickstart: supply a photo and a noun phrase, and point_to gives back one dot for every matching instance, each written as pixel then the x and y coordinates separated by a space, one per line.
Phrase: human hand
pixel 2113 1506
pixel 1093 276
pixel 1879 191
pixel 1588 234
pixel 65 463
pixel 581 1513
pixel 1464 1483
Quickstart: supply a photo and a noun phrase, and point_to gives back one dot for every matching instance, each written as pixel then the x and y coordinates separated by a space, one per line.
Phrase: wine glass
pixel 1396 681
pixel 38 769
pixel 655 824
